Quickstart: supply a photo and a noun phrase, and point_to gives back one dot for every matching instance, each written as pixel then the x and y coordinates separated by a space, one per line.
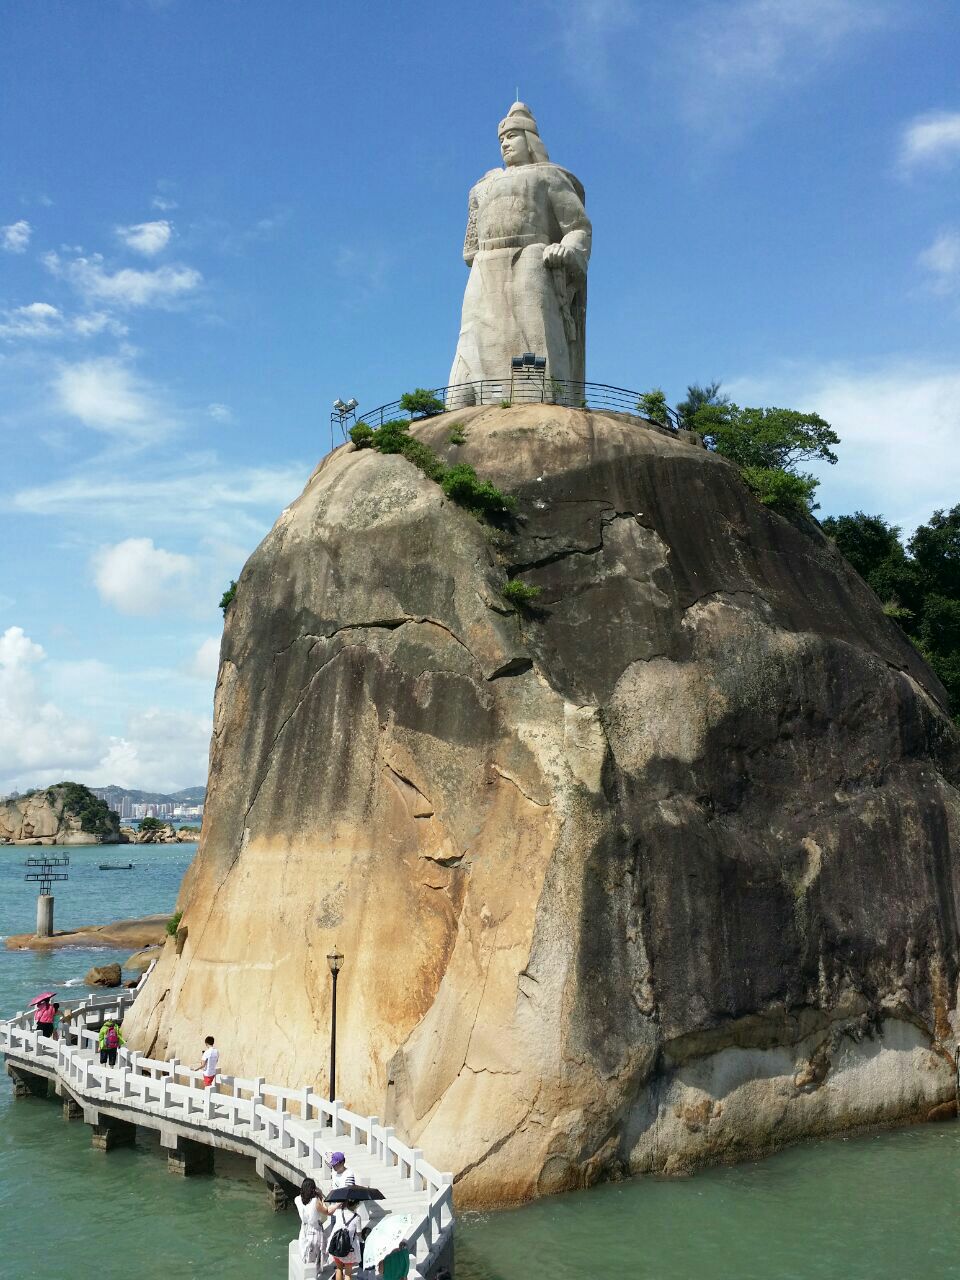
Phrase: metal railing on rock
pixel 525 387
pixel 295 1131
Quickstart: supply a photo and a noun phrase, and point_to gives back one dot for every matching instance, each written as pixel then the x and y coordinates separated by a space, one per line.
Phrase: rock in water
pixel 104 975
pixel 660 874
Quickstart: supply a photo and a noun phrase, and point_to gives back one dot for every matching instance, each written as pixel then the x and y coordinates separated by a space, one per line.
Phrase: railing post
pixel 305 1104
pixel 257 1101
pixel 385 1152
pixel 415 1157
pixel 372 1122
pixel 335 1119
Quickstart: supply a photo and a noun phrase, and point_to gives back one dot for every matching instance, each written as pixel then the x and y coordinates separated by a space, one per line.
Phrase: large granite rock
pixel 52 816
pixel 104 975
pixel 663 874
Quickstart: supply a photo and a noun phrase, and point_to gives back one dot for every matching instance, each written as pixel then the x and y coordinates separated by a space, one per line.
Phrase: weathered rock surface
pixel 140 961
pixel 104 975
pixel 663 874
pixel 47 817
pixel 122 934
pixel 167 833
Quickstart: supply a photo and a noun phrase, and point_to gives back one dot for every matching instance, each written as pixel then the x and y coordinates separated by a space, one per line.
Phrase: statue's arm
pixel 471 242
pixel 576 233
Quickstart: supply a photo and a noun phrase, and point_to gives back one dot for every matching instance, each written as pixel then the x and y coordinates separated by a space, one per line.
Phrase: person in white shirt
pixel 342 1176
pixel 209 1062
pixel 312 1214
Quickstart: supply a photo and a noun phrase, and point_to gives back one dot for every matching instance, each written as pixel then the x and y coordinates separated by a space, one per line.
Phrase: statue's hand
pixel 557 256
pixel 562 257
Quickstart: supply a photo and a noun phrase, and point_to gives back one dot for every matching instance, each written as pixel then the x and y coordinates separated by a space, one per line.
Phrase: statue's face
pixel 513 147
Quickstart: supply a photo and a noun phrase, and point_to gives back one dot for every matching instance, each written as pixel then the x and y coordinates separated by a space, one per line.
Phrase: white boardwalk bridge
pixel 287 1131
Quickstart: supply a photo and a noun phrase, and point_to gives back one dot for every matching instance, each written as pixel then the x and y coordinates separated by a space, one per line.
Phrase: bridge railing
pixel 286 1129
pixel 526 387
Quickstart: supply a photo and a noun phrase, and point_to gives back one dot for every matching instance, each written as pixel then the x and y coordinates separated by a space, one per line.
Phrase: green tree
pixel 226 600
pixel 421 403
pixel 652 405
pixel 774 438
pixel 935 548
pixel 919 585
pixel 766 441
pixel 866 542
pixel 700 398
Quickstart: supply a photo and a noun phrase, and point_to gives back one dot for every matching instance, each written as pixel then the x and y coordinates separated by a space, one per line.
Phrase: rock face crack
pixel 508 777
pixel 606 518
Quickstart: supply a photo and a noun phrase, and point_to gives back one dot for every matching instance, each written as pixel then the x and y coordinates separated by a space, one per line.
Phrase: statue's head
pixel 519 139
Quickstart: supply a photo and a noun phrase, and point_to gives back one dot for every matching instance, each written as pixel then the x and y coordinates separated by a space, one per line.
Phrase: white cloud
pixel 727 58
pixel 220 412
pixel 159 287
pixel 148 238
pixel 36 320
pixel 41 320
pixel 205 662
pixel 35 735
pixel 163 204
pixel 94 322
pixel 15 237
pixel 140 579
pixel 931 139
pixel 106 395
pixel 898 428
pixel 237 504
pixel 941 260
pixel 160 749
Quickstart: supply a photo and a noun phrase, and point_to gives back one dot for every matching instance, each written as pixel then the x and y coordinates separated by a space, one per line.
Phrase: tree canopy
pixel 919 584
pixel 768 445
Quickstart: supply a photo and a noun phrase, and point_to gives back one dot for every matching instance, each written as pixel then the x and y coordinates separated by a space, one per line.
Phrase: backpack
pixel 113 1038
pixel 341 1244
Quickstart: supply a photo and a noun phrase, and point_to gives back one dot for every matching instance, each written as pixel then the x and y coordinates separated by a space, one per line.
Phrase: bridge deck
pixel 288 1139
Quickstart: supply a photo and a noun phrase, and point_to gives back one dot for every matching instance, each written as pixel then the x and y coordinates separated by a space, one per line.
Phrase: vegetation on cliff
pixel 768 445
pixel 78 801
pixel 226 600
pixel 460 482
pixel 919 584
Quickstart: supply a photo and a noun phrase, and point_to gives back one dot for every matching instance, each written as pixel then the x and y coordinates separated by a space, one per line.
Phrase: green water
pixel 883 1207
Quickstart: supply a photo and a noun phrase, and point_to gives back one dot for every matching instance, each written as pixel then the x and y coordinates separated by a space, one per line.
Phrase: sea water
pixel 877 1207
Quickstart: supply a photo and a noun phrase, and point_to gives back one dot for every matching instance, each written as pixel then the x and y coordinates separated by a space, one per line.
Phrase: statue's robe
pixel 513 302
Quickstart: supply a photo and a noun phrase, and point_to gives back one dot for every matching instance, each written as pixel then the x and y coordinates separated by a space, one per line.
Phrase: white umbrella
pixel 387 1235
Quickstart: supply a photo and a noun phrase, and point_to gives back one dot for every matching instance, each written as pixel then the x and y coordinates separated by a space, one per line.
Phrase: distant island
pixel 114 794
pixel 65 813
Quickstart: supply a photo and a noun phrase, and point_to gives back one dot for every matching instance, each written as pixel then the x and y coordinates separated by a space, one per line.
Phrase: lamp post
pixel 344 411
pixel 335 961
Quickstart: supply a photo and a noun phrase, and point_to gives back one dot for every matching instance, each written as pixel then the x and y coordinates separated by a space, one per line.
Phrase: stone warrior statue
pixel 527 247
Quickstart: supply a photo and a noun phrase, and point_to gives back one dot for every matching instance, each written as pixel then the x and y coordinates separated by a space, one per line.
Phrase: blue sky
pixel 216 218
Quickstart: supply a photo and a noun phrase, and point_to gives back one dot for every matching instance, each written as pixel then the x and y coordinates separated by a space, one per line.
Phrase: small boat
pixel 116 866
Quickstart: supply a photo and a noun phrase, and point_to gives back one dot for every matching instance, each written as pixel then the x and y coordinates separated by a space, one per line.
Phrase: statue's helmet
pixel 521 117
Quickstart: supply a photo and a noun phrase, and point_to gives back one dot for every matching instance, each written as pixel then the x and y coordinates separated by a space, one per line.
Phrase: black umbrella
pixel 354 1193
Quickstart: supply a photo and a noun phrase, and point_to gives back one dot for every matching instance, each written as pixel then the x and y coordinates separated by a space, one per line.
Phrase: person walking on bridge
pixel 44 1015
pixel 109 1042
pixel 209 1062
